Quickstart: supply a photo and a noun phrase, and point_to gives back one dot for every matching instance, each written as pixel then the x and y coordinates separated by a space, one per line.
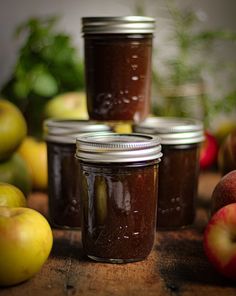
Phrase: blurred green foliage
pixel 47 64
pixel 193 59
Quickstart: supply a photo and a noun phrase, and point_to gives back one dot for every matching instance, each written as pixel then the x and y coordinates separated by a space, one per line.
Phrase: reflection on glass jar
pixel 118 182
pixel 64 202
pixel 118 54
pixel 179 169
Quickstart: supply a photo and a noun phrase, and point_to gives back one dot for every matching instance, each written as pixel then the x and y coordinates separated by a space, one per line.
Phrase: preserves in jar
pixel 118 53
pixel 179 169
pixel 64 201
pixel 119 195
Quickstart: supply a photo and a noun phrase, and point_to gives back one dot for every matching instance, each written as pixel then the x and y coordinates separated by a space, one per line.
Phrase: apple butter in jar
pixel 118 53
pixel 118 176
pixel 179 169
pixel 64 201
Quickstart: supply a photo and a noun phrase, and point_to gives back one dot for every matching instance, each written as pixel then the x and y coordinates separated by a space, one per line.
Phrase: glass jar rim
pixel 173 130
pixel 118 25
pixel 117 148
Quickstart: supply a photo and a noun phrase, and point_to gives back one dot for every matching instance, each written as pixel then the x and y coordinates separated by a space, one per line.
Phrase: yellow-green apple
pixel 125 128
pixel 208 151
pixel 220 240
pixel 13 128
pixel 25 243
pixel 16 172
pixel 34 153
pixel 71 105
pixel 11 196
pixel 224 129
pixel 224 192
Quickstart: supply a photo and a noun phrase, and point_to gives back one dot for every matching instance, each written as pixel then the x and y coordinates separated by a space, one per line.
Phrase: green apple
pixel 34 153
pixel 15 171
pixel 71 105
pixel 13 128
pixel 25 244
pixel 11 196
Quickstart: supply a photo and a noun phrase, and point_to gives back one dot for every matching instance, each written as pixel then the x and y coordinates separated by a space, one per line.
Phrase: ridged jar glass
pixel 64 200
pixel 118 53
pixel 179 169
pixel 118 176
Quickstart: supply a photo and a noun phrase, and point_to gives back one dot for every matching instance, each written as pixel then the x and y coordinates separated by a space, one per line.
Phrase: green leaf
pixel 207 36
pixel 21 89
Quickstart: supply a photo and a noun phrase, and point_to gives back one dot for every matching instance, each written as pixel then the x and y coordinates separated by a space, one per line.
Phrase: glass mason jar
pixel 64 202
pixel 179 169
pixel 118 184
pixel 187 100
pixel 118 53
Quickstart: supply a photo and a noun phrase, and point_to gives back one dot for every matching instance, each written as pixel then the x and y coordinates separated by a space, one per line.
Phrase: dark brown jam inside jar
pixel 178 185
pixel 118 183
pixel 64 201
pixel 118 54
pixel 179 169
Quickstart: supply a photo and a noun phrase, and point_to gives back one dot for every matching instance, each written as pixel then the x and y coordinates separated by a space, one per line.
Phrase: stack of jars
pixel 119 187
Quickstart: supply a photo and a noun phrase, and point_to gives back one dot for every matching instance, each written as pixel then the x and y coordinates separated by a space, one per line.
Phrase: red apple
pixel 225 192
pixel 227 154
pixel 220 241
pixel 25 243
pixel 209 151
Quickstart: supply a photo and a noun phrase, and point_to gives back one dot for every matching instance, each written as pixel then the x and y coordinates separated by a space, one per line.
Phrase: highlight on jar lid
pixel 114 148
pixel 173 130
pixel 66 130
pixel 118 25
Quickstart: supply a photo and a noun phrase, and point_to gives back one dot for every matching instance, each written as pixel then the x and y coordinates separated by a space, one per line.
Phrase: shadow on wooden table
pixel 183 261
pixel 68 244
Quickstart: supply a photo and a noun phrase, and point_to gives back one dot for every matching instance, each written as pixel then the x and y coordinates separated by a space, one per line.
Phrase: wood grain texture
pixel 176 266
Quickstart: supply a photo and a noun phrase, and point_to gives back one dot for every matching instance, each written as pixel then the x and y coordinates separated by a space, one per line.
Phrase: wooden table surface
pixel 176 266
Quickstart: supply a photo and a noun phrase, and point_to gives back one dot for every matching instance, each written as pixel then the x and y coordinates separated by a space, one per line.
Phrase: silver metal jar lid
pixel 66 130
pixel 173 130
pixel 105 147
pixel 118 25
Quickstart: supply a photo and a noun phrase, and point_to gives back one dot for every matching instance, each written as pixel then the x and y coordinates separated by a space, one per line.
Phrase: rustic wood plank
pixel 176 266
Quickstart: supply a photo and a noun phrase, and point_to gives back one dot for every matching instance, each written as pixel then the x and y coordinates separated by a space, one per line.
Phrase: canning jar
pixel 118 53
pixel 179 169
pixel 118 187
pixel 64 202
